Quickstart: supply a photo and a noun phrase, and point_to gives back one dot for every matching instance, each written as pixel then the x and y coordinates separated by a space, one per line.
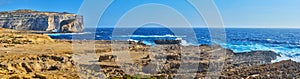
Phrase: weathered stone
pixel 41 21
pixel 50 61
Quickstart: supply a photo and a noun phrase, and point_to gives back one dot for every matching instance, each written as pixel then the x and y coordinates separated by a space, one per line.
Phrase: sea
pixel 283 41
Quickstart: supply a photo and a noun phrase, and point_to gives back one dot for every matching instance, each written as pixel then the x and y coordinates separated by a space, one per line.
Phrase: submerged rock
pixel 167 41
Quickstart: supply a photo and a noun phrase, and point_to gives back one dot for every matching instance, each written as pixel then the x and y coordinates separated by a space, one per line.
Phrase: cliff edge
pixel 41 21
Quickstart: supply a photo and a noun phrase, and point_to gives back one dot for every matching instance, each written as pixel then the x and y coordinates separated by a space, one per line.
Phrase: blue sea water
pixel 285 42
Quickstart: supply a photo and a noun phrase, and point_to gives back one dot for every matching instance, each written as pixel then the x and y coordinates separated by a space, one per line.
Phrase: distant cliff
pixel 41 21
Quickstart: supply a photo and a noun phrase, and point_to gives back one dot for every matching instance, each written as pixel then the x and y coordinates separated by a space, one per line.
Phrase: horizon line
pixel 211 27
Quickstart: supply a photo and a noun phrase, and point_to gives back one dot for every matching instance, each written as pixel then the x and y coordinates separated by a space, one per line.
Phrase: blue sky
pixel 235 13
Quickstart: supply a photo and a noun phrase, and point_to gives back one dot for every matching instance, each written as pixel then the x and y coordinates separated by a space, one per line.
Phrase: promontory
pixel 41 21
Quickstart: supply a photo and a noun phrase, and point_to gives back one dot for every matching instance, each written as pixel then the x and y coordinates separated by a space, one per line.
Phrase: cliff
pixel 41 21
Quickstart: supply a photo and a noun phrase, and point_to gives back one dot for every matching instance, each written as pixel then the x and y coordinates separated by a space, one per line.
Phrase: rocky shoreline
pixel 26 55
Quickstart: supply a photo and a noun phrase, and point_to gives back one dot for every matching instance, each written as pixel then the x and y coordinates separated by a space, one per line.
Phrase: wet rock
pixel 253 58
pixel 282 69
pixel 167 41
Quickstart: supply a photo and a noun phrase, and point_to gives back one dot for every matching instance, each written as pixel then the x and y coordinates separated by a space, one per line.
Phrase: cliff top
pixel 32 11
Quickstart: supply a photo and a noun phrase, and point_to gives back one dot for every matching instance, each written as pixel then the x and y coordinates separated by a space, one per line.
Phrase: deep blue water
pixel 285 42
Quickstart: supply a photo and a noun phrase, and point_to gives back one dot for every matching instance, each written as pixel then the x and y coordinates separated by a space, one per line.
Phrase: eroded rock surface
pixel 41 21
pixel 38 66
pixel 14 37
pixel 286 69
pixel 59 59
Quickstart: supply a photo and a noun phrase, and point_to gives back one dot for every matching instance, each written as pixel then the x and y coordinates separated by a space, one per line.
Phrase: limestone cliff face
pixel 41 21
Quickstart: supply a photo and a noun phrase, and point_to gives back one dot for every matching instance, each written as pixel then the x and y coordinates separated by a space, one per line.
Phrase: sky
pixel 234 13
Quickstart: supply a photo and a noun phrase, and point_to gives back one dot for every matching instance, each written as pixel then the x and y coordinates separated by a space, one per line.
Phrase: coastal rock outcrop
pixel 8 36
pixel 25 56
pixel 164 61
pixel 286 69
pixel 41 21
pixel 46 66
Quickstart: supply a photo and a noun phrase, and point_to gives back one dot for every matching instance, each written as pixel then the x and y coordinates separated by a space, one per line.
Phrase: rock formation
pixel 8 36
pixel 25 56
pixel 164 61
pixel 41 21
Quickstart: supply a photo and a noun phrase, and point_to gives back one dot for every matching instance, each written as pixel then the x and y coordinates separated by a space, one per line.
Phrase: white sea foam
pixel 283 57
pixel 148 43
pixel 132 40
pixel 184 42
pixel 58 34
pixel 146 36
pixel 284 52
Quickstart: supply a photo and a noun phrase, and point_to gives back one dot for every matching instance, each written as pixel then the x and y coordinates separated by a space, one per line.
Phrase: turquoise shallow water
pixel 285 42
